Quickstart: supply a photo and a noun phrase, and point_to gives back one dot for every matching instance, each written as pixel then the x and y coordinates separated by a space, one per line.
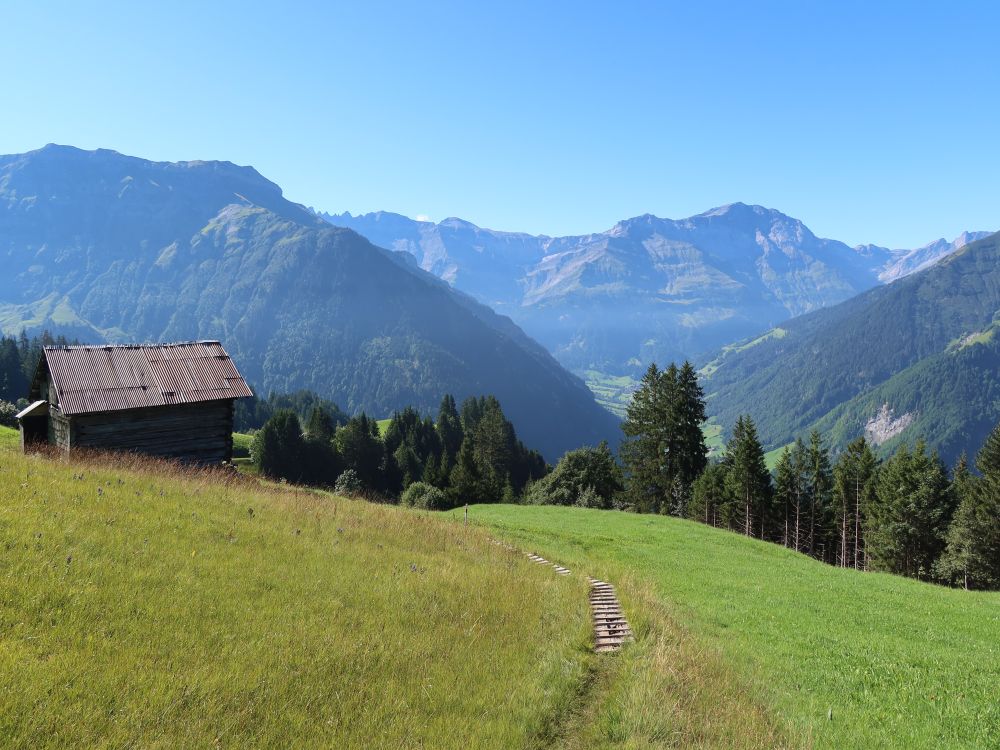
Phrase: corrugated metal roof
pixel 132 376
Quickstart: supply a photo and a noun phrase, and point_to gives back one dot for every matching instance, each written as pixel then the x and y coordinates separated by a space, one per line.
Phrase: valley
pixel 648 289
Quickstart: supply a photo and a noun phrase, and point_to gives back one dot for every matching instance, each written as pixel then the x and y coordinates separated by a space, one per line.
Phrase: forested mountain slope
pixel 915 358
pixel 109 247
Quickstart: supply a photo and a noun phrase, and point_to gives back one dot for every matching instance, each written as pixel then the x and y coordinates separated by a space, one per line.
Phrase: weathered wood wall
pixel 59 429
pixel 201 433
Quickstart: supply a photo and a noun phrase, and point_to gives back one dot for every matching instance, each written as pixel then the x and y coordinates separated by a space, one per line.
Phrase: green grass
pixel 713 439
pixel 894 662
pixel 144 606
pixel 613 392
pixel 241 444
pixel 980 337
pixel 9 438
pixel 383 426
pixel 772 457
pixel 711 367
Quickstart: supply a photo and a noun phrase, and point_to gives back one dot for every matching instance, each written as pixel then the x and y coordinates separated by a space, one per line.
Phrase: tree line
pixel 470 454
pixel 19 356
pixel 907 515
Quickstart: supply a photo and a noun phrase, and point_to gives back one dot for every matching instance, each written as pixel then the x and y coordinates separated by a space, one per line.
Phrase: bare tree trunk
pixel 857 517
pixel 798 512
pixel 843 535
pixel 812 523
pixel 747 523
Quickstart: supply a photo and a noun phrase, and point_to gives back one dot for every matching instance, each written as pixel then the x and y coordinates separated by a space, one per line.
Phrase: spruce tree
pixel 748 480
pixel 820 487
pixel 320 425
pixel 910 516
pixel 854 488
pixel 644 447
pixel 972 552
pixel 708 494
pixel 788 493
pixel 465 480
pixel 664 449
pixel 691 415
pixel 449 431
pixel 360 446
pixel 277 447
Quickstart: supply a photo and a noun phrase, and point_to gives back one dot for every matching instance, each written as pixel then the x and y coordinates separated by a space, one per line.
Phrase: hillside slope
pixel 109 247
pixel 142 607
pixel 648 288
pixel 921 350
pixel 840 658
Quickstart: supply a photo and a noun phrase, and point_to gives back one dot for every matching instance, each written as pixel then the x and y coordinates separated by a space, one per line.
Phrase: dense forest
pixel 470 454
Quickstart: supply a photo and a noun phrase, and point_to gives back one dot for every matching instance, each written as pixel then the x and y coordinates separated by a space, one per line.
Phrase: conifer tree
pixel 449 431
pixel 789 492
pixel 972 552
pixel 708 495
pixel 910 516
pixel 360 446
pixel 465 480
pixel 691 415
pixel 643 448
pixel 854 489
pixel 278 446
pixel 432 475
pixel 664 449
pixel 320 425
pixel 748 480
pixel 820 487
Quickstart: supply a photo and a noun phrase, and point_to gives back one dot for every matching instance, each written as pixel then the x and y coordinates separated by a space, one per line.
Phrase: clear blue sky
pixel 871 122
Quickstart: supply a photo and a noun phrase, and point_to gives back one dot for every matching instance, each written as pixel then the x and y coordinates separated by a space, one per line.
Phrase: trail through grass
pixel 145 607
pixel 842 658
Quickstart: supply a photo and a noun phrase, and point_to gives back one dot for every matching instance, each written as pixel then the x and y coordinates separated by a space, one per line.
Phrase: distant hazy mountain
pixel 648 288
pixel 110 247
pixel 917 358
pixel 905 262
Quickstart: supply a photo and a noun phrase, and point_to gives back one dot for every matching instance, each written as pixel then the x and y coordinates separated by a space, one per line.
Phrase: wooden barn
pixel 169 400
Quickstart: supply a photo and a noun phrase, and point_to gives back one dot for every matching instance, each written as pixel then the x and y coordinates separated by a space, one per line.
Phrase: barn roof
pixel 132 376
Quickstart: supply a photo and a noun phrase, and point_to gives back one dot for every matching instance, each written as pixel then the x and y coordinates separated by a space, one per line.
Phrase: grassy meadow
pixel 142 604
pixel 148 606
pixel 835 658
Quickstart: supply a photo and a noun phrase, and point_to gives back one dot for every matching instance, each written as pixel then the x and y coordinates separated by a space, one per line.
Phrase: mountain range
pixel 107 247
pixel 893 344
pixel 649 289
pixel 917 358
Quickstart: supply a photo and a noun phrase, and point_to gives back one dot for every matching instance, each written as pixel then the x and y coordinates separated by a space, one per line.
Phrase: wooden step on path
pixel 611 629
pixel 533 557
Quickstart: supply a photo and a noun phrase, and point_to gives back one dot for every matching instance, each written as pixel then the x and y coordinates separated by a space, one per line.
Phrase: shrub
pixel 585 475
pixel 426 496
pixel 348 484
pixel 590 499
pixel 7 412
